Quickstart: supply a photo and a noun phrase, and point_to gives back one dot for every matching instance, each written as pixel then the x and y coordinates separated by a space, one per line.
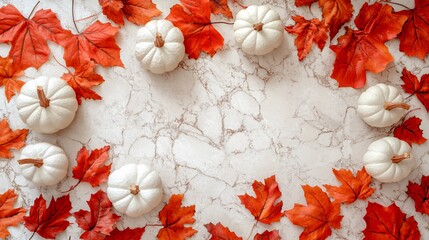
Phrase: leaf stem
pixel 56 60
pixel 32 235
pixel 34 8
pixel 154 225
pixel 399 4
pixel 74 21
pixel 228 23
pixel 90 16
pixel 239 4
pixel 251 230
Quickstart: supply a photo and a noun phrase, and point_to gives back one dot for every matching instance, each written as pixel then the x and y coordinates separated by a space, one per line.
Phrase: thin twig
pixel 251 230
pixel 74 21
pixel 229 23
pixel 34 8
pixel 56 60
pixel 398 4
pixel 154 225
pixel 239 4
pixel 32 235
pixel 91 16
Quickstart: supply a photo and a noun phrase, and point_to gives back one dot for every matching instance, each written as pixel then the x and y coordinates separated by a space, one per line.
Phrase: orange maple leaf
pixel 268 235
pixel 10 139
pixel 300 3
pixel 336 13
pixel 409 131
pixel 318 217
pixel 9 216
pixel 136 11
pixel 415 87
pixel 220 232
pixel 9 74
pixel 173 217
pixel 352 188
pixel 220 7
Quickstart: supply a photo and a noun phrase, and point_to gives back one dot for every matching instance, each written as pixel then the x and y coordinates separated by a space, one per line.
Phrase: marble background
pixel 214 125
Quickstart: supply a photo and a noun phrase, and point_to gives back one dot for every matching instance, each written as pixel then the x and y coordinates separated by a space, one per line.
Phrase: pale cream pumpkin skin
pixel 258 30
pixel 389 159
pixel 159 46
pixel 134 189
pixel 381 105
pixel 43 164
pixel 47 105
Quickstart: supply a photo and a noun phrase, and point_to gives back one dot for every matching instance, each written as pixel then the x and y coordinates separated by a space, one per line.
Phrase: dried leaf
pixel 136 11
pixel 220 232
pixel 410 132
pixel 9 74
pixel 415 87
pixel 335 13
pixel 10 139
pixel 420 194
pixel 9 216
pixel 220 7
pixel 268 235
pixel 126 234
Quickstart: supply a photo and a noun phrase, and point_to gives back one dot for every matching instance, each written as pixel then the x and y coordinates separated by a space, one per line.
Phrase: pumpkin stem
pixel 36 162
pixel 399 158
pixel 44 101
pixel 392 105
pixel 258 26
pixel 159 42
pixel 134 189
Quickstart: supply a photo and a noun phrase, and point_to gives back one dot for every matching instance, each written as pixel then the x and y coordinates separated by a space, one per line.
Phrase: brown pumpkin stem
pixel 36 162
pixel 134 189
pixel 392 105
pixel 159 42
pixel 44 101
pixel 399 158
pixel 258 26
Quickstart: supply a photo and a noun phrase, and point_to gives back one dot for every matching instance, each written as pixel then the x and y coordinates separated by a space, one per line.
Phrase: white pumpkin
pixel 258 29
pixel 43 164
pixel 389 159
pixel 47 105
pixel 160 46
pixel 381 105
pixel 134 189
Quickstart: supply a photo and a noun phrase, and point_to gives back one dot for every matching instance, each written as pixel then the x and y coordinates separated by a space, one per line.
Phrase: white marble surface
pixel 214 125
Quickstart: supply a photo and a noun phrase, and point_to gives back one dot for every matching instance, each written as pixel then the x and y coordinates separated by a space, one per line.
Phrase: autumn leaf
pixel 100 220
pixel 410 132
pixel 96 43
pixel 415 87
pixel 10 139
pixel 220 7
pixel 136 11
pixel 364 49
pixel 318 217
pixel 308 32
pixel 198 31
pixel 174 217
pixel 268 235
pixel 82 80
pixel 420 194
pixel 28 36
pixel 49 222
pixel 220 232
pixel 352 188
pixel 414 38
pixel 91 168
pixel 335 13
pixel 264 207
pixel 126 234
pixel 9 216
pixel 389 223
pixel 9 74
pixel 300 3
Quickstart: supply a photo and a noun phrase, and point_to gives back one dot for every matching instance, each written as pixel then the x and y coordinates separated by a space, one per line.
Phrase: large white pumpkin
pixel 389 159
pixel 160 46
pixel 381 105
pixel 258 30
pixel 134 189
pixel 47 105
pixel 43 163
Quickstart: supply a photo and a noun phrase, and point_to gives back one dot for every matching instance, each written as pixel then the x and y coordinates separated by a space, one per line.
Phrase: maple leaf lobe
pixel 9 216
pixel 10 139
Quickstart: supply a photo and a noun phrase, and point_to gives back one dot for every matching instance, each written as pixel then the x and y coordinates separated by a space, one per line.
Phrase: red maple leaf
pixel 28 36
pixel 174 217
pixel 335 13
pixel 364 49
pixel 420 194
pixel 268 235
pixel 389 223
pixel 9 216
pixel 410 132
pixel 82 80
pixel 415 87
pixel 10 139
pixel 96 43
pixel 264 207
pixel 220 7
pixel 308 32
pixel 49 222
pixel 352 188
pixel 9 74
pixel 220 232
pixel 300 3
pixel 414 38
pixel 318 217
pixel 91 168
pixel 197 29
pixel 126 234
pixel 136 11
pixel 99 221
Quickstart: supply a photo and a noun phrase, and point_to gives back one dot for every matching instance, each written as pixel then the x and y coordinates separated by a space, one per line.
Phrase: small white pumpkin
pixel 258 30
pixel 47 105
pixel 134 189
pixel 43 163
pixel 381 105
pixel 160 46
pixel 389 159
